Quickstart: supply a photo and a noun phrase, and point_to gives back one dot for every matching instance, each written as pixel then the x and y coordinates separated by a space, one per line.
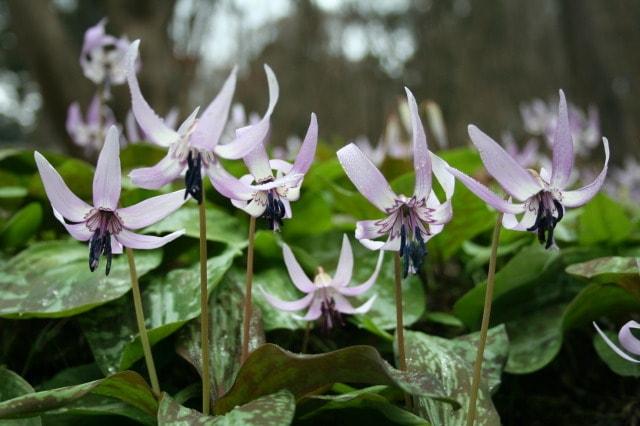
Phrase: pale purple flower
pixel 393 139
pixel 326 297
pixel 107 226
pixel 627 340
pixel 536 117
pixel 376 155
pixel 626 181
pixel 526 157
pixel 102 57
pixel 410 221
pixel 89 131
pixel 542 196
pixel 136 134
pixel 194 145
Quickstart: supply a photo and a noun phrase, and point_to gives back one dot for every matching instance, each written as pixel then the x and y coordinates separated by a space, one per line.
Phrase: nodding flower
pixel 263 192
pixel 411 220
pixel 88 132
pixel 542 196
pixel 627 340
pixel 194 146
pixel 326 297
pixel 104 224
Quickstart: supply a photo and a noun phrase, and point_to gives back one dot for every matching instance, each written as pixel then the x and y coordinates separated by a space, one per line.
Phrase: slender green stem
pixel 402 358
pixel 144 338
pixel 484 328
pixel 246 324
pixel 204 309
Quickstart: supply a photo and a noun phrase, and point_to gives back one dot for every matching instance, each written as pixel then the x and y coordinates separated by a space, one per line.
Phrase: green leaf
pixel 52 279
pixel 534 340
pixel 225 334
pixel 270 368
pixel 276 409
pixel 136 155
pixel 13 192
pixel 451 363
pixel 312 216
pixel 620 270
pixel 603 221
pixel 23 225
pixel 615 362
pixel 14 386
pixel 126 386
pixel 169 302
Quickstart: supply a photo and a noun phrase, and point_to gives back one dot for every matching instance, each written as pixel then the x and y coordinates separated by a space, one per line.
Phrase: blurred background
pixel 480 61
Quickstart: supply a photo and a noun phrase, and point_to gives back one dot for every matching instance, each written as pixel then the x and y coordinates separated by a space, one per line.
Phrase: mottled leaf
pixel 270 368
pixel 276 409
pixel 620 270
pixel 52 279
pixel 169 302
pixel 14 386
pixel 451 362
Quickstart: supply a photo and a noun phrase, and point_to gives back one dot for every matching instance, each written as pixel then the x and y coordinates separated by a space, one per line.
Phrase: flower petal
pixel 519 183
pixel 94 113
pixel 308 148
pixel 486 194
pixel 74 118
pixel 361 288
pixel 155 177
pixel 257 161
pixel 627 339
pixel 107 179
pixel 188 122
pixel 228 185
pixel 562 147
pixel 139 241
pixel 421 159
pixel 366 177
pixel 580 196
pixel 344 269
pixel 298 277
pixel 509 221
pixel 447 180
pixel 149 122
pixel 151 210
pixel 253 207
pixel 344 306
pixel 368 229
pixel 287 306
pixel 213 120
pixel 613 346
pixel 314 311
pixel 79 231
pixel 131 127
pixel 247 138
pixel 59 194
pixel 392 244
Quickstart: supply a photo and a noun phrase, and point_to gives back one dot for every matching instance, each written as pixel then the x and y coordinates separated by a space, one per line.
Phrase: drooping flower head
pixel 411 220
pixel 271 185
pixel 627 340
pixel 104 224
pixel 326 297
pixel 88 132
pixel 541 196
pixel 194 146
pixel 102 57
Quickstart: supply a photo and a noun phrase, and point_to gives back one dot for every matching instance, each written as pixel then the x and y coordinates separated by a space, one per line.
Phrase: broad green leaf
pixel 14 386
pixel 52 279
pixel 443 318
pixel 13 192
pixel 136 155
pixel 169 302
pixel 312 216
pixel 270 368
pixel 620 270
pixel 22 226
pixel 615 362
pixel 323 173
pixel 451 363
pixel 534 340
pixel 513 284
pixel 603 221
pixel 225 333
pixel 276 409
pixel 126 386
pixel 221 226
pixel 597 300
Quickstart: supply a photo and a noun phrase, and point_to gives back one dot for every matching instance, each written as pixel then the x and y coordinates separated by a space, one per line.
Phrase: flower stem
pixel 144 338
pixel 204 309
pixel 402 360
pixel 247 296
pixel 484 328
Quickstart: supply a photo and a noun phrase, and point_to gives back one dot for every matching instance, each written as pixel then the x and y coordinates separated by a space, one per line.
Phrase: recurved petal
pixel 344 270
pixel 613 346
pixel 253 208
pixel 392 244
pixel 314 311
pixel 344 306
pixel 627 339
pixel 366 177
pixel 107 179
pixel 298 277
pixel 257 161
pixel 151 210
pixel 308 148
pixel 562 147
pixel 367 229
pixel 228 185
pixel 287 306
pixel 581 196
pixel 446 179
pixel 362 288
pixel 486 194
pixel 79 231
pixel 148 120
pixel 155 177
pixel 139 241
pixel 510 221
pixel 421 159
pixel 214 118
pixel 59 194
pixel 116 247
pixel 512 177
